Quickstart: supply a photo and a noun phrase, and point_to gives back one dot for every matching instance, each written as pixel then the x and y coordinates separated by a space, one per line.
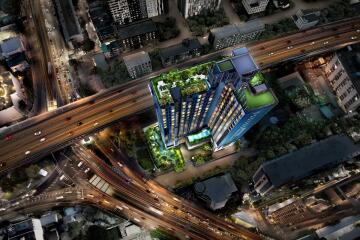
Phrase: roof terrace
pixel 255 94
pixel 190 81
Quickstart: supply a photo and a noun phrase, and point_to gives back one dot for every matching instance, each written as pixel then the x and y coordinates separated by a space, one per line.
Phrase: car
pixel 2 164
pixel 79 123
pixel 37 133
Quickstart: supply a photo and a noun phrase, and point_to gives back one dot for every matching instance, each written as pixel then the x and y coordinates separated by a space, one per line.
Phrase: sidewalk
pixel 173 178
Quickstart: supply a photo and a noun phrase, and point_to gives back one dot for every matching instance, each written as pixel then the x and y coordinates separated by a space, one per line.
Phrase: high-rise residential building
pixel 189 8
pixel 227 97
pixel 233 34
pixel 138 64
pixel 127 11
pixel 255 6
pixel 342 72
pixel 244 98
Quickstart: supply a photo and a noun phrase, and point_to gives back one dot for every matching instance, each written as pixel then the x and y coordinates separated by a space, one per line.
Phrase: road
pixel 74 120
pixel 137 191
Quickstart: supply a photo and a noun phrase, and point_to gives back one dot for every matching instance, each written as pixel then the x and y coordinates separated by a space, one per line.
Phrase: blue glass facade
pixel 218 107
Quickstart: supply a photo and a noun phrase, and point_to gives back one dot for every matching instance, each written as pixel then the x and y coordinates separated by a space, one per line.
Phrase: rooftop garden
pixel 225 65
pixel 253 100
pixel 257 79
pixel 190 81
pixel 163 158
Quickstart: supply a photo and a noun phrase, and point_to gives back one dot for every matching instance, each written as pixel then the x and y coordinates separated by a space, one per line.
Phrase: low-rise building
pixel 11 46
pixel 304 162
pixel 100 61
pixel 174 54
pixel 342 72
pixel 346 229
pixel 233 34
pixel 138 64
pixel 18 62
pixel 216 191
pixel 13 51
pixel 137 34
pixel 290 211
pixel 27 229
pixel 69 23
pixel 306 18
pixel 255 6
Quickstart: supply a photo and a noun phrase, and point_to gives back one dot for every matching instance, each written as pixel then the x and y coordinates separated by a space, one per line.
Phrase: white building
pixel 138 64
pixel 306 18
pixel 119 10
pixel 190 8
pixel 342 72
pixel 155 8
pixel 255 6
pixel 28 229
pixel 233 34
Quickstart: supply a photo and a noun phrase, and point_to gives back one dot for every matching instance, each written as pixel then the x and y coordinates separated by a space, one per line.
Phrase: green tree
pixel 11 6
pixel 96 232
pixel 75 229
pixel 88 45
pixel 32 171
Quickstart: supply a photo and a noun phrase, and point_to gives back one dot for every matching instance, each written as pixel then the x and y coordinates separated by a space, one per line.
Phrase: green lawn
pixel 225 65
pixel 258 100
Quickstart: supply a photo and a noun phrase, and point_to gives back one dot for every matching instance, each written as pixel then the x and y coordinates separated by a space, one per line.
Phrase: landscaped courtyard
pixel 163 158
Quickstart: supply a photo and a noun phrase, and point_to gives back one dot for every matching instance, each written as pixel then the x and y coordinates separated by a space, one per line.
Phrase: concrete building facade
pixel 189 8
pixel 342 72
pixel 233 34
pixel 138 64
pixel 255 6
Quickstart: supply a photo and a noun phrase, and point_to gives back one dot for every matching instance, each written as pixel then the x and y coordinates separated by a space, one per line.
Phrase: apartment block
pixel 233 34
pixel 228 97
pixel 189 8
pixel 306 18
pixel 138 64
pixel 342 72
pixel 255 6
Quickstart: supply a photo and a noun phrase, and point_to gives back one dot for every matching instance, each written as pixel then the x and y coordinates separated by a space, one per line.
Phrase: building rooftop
pixel 136 29
pixel 68 19
pixel 346 225
pixel 11 45
pixel 216 190
pixel 136 58
pixel 29 229
pixel 243 62
pixel 232 29
pixel 101 19
pixel 255 93
pixel 306 161
pixel 179 49
pixel 188 82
